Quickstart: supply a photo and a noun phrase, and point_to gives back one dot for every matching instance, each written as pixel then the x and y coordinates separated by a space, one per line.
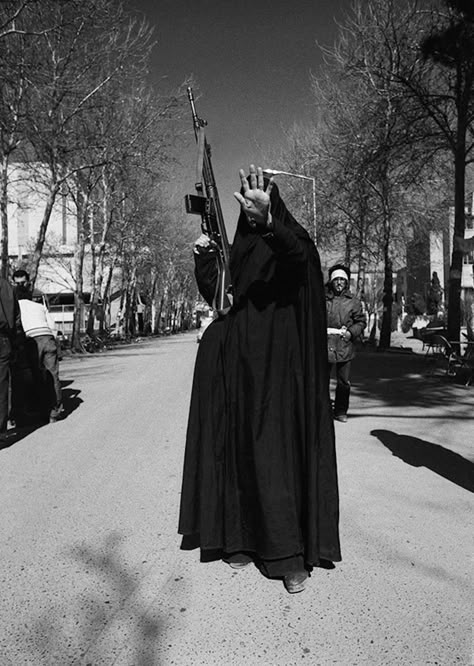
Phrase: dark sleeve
pixel 17 315
pixel 205 270
pixel 11 308
pixel 358 320
pixel 286 243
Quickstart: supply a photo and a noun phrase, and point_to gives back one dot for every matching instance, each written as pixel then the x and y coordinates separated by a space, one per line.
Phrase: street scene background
pixel 92 571
pixel 364 113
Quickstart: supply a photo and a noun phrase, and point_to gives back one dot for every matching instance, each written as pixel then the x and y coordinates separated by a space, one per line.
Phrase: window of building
pixel 469 258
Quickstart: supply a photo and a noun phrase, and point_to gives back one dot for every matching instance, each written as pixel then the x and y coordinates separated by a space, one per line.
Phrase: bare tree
pixel 446 94
pixel 140 155
pixel 17 61
pixel 380 131
pixel 430 67
pixel 97 46
pixel 77 109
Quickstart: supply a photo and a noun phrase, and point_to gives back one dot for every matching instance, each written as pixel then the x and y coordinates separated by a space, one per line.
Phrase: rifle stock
pixel 206 204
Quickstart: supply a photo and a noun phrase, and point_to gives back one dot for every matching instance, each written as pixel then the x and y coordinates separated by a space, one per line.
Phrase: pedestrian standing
pixel 346 321
pixel 40 331
pixel 10 329
pixel 260 479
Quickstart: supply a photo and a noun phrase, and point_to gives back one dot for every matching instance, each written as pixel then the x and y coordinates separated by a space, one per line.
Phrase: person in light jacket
pixel 345 321
pixel 40 332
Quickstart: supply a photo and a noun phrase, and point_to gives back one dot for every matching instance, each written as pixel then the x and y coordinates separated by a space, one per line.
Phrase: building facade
pixel 56 278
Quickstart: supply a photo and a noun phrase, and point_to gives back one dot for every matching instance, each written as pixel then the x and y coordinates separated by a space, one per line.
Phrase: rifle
pixel 206 204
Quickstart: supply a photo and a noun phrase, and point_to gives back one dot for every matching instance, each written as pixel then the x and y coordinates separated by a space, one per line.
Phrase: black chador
pixel 260 465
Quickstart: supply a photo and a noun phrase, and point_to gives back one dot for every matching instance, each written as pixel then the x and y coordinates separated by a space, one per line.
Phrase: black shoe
pixel 340 417
pixel 238 560
pixel 295 582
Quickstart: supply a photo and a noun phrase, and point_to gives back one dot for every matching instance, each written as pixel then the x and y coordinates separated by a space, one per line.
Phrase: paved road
pixel 91 568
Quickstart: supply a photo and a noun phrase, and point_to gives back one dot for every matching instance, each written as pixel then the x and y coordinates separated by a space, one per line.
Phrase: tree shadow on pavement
pixel 400 380
pixel 420 453
pixel 103 618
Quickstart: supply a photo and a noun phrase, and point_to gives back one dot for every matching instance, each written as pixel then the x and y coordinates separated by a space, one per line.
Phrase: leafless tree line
pixel 390 147
pixel 393 136
pixel 77 108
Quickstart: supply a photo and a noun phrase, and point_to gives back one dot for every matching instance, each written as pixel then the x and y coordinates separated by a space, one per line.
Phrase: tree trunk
pixel 469 307
pixel 4 217
pixel 94 300
pixel 154 282
pixel 455 272
pixel 78 296
pixel 98 255
pixel 79 279
pixel 348 249
pixel 387 298
pixel 38 251
pixel 361 270
pixel 97 288
pixel 130 304
pixel 159 314
pixel 106 302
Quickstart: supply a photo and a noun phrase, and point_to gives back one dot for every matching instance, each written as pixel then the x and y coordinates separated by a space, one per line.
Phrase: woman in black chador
pixel 260 479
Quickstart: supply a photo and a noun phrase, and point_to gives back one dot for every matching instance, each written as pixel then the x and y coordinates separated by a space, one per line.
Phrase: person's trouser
pixel 48 359
pixel 24 402
pixel 343 388
pixel 5 357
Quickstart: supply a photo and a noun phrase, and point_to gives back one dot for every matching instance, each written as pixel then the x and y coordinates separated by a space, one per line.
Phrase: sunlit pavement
pixel 91 568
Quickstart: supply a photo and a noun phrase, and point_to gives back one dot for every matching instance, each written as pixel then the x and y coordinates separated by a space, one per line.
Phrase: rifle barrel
pixel 197 121
pixel 209 208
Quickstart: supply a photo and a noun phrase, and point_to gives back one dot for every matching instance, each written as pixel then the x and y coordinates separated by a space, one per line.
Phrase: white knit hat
pixel 338 273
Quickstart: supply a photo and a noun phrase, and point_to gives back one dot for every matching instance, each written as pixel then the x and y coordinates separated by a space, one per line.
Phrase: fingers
pixel 243 180
pixel 269 186
pixel 203 244
pixel 260 179
pixel 253 177
pixel 203 240
pixel 255 180
pixel 240 199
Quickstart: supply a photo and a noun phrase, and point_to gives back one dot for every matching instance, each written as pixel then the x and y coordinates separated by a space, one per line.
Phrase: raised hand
pixel 254 200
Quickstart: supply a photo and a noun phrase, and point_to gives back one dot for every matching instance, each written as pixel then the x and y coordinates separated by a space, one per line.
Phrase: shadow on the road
pixel 420 453
pixel 71 399
pixel 104 617
pixel 16 434
pixel 71 402
pixel 365 414
pixel 400 380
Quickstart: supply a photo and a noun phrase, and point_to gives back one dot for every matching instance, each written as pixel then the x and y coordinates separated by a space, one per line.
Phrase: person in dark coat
pixel 346 321
pixel 260 477
pixel 26 391
pixel 10 330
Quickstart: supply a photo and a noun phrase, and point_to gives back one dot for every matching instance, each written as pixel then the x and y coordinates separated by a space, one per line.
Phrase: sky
pixel 252 61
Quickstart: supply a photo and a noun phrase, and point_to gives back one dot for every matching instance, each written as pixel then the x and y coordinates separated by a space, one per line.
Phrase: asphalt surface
pixel 92 572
